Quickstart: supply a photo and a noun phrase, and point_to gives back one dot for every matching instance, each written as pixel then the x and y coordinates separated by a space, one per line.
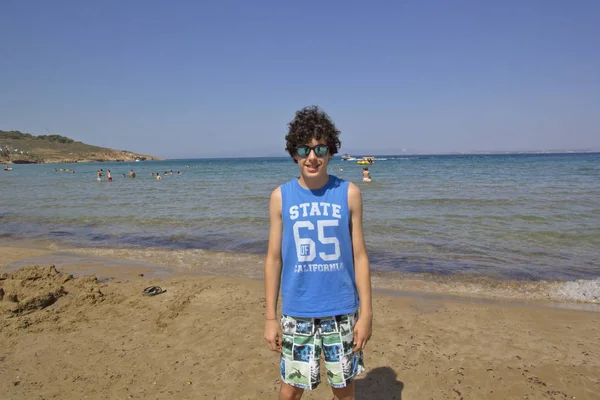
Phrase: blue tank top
pixel 317 278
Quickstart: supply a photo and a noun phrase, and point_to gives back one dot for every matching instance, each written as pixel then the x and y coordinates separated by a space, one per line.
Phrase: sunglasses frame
pixel 313 149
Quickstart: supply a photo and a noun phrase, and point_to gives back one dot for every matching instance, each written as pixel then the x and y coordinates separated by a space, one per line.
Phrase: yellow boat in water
pixel 366 161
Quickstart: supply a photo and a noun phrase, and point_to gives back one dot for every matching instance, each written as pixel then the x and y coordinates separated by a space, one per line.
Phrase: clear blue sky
pixel 223 78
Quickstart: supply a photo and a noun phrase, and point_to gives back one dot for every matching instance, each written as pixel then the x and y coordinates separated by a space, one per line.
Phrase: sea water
pixel 509 216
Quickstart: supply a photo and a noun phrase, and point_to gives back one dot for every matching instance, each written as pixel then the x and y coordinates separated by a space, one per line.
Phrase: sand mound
pixel 34 288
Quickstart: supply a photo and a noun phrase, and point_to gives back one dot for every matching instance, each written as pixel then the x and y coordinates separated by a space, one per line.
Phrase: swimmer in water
pixel 366 175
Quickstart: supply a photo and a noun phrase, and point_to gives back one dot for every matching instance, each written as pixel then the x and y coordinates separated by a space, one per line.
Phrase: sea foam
pixel 580 290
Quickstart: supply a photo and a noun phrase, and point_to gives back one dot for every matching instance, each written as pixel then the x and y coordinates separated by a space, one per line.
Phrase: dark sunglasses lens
pixel 321 150
pixel 303 151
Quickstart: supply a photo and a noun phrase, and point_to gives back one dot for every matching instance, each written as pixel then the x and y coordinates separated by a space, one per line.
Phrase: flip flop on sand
pixel 153 291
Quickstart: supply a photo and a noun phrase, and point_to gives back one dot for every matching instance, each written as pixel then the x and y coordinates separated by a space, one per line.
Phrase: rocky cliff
pixel 24 148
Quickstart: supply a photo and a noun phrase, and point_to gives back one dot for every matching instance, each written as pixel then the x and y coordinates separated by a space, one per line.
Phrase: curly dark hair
pixel 311 123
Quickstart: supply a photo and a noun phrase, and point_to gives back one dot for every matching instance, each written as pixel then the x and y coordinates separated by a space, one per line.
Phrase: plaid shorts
pixel 302 342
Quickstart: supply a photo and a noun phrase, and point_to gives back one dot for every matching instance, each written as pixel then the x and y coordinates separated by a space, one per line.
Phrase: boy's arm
pixel 273 273
pixel 362 273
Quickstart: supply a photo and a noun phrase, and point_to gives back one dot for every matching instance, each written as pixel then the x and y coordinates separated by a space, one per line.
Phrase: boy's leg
pixel 289 392
pixel 343 365
pixel 345 393
pixel 300 356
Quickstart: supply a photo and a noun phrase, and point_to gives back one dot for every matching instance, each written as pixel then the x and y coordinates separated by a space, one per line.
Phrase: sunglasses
pixel 320 150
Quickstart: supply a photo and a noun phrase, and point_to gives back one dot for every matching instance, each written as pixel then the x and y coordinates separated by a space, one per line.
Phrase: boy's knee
pixel 289 392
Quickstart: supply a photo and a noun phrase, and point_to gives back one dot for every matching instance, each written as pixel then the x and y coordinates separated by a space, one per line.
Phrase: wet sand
pixel 202 338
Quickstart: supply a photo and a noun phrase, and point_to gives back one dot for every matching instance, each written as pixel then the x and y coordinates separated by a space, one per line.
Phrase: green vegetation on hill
pixel 17 147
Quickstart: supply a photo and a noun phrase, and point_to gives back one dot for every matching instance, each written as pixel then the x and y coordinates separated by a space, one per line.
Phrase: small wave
pixel 460 201
pixel 559 293
pixel 61 233
pixel 531 218
pixel 8 235
pixel 579 290
pixel 587 169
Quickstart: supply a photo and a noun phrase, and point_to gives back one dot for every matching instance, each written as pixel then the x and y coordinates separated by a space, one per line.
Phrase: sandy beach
pixel 95 336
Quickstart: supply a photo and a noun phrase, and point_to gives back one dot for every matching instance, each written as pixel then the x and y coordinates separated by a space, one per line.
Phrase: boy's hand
pixel 362 332
pixel 273 334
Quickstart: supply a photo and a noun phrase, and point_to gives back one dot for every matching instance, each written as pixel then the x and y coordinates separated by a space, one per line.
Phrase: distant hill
pixel 25 148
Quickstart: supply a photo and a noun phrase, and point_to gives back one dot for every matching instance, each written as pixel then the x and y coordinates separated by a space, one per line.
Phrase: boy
pixel 317 255
pixel 366 175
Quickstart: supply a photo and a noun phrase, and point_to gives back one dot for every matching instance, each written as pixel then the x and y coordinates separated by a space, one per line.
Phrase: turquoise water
pixel 500 216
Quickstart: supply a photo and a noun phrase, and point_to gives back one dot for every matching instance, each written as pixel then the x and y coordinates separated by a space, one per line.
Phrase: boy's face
pixel 313 166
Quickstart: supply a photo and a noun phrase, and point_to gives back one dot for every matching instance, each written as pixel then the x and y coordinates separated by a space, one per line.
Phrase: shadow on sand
pixel 379 384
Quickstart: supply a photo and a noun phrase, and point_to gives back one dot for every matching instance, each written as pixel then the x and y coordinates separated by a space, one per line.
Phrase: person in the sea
pixel 108 176
pixel 131 174
pixel 366 175
pixel 158 177
pixel 317 256
pixel 99 175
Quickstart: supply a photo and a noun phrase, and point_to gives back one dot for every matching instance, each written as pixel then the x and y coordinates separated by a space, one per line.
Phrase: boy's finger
pixel 273 345
pixel 361 343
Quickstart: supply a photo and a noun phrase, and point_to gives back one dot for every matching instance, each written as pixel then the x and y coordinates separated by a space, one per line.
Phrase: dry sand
pixel 65 337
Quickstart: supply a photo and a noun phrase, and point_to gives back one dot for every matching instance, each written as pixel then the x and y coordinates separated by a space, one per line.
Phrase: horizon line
pixel 474 153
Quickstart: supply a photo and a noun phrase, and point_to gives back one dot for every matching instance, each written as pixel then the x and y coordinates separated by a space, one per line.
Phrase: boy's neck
pixel 314 183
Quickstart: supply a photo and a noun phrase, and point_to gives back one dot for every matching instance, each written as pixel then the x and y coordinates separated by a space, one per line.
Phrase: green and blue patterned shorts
pixel 302 342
